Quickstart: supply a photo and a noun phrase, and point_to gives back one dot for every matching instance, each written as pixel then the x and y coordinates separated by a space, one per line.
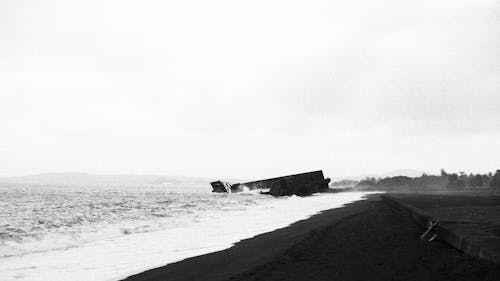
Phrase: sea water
pixel 53 232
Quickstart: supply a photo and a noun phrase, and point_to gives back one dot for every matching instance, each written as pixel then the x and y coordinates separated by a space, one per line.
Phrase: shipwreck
pixel 298 184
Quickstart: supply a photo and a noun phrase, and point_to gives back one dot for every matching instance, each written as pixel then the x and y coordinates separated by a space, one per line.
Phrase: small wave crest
pixel 43 242
pixel 41 220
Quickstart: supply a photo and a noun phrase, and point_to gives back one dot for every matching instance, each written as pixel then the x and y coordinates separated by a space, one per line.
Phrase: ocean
pixel 108 232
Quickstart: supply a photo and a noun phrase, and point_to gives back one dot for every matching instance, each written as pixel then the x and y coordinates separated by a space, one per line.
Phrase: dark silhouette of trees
pixel 478 180
pixel 368 182
pixel 495 180
pixel 462 180
pixel 452 181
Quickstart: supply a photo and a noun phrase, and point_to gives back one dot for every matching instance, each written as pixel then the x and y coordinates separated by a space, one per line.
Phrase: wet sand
pixel 365 240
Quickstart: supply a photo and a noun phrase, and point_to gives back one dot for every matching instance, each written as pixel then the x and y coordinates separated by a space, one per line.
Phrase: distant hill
pixel 401 172
pixel 96 179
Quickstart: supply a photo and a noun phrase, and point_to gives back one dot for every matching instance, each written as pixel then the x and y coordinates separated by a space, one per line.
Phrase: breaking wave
pixel 55 233
pixel 38 219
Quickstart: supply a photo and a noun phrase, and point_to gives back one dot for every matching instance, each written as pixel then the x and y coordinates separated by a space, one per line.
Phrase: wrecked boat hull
pixel 299 184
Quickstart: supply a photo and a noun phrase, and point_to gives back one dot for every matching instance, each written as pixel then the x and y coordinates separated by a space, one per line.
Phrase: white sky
pixel 249 88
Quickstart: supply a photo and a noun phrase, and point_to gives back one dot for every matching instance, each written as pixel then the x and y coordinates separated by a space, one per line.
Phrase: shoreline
pixel 251 252
pixel 189 225
pixel 360 241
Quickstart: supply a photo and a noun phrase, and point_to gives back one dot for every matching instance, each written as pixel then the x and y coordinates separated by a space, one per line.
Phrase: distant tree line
pixel 444 181
pixel 344 183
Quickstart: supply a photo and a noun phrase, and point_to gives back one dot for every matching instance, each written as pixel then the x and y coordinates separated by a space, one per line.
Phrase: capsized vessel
pixel 298 184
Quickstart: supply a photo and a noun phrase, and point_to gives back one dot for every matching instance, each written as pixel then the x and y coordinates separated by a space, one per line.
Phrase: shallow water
pixel 107 233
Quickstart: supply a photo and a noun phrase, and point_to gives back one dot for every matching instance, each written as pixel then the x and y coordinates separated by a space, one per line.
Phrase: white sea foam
pixel 108 250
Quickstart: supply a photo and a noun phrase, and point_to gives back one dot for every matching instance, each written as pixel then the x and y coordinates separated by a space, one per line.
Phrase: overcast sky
pixel 249 89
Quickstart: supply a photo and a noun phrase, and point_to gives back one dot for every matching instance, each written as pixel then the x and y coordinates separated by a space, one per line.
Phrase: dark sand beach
pixel 365 240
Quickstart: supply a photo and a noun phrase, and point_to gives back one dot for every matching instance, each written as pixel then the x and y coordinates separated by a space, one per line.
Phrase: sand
pixel 475 216
pixel 365 240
